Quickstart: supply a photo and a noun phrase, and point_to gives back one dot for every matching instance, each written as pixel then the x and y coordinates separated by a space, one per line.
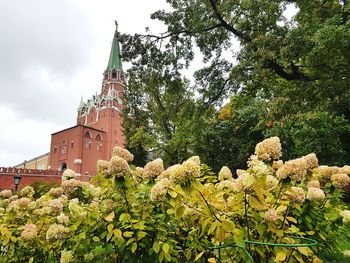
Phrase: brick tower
pixel 99 123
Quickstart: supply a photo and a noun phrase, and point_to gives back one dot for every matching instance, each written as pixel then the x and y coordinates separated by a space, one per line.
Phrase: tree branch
pixel 226 25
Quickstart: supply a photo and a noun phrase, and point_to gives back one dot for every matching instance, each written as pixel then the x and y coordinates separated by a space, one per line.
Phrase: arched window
pixel 98 137
pixel 87 135
pixel 62 167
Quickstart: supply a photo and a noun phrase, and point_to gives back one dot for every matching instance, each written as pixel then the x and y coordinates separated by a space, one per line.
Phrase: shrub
pixel 185 214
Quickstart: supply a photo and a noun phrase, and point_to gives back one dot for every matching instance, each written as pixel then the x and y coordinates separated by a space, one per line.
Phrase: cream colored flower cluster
pixel 168 171
pixel 56 192
pixel 346 216
pixel 271 215
pixel 186 172
pixel 271 182
pixel 29 232
pixel 21 203
pixel 314 183
pixel 311 161
pixel 326 171
pixel 123 153
pixel 315 194
pixel 296 169
pixel 345 169
pixel 27 191
pixel 340 180
pixel 258 167
pixel 5 193
pixel 75 209
pixel 153 169
pixel 55 205
pixel 56 232
pixel 297 194
pixel 160 189
pixel 102 166
pixel 70 186
pixel 13 198
pixel 68 174
pixel 227 186
pixel 269 149
pixel 225 174
pixel 176 174
pixel 63 219
pixel 118 167
pixel 66 256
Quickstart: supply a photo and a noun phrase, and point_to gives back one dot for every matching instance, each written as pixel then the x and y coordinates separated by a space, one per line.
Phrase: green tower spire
pixel 115 61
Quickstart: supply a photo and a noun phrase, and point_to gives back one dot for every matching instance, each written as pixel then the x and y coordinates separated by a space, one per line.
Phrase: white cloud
pixel 52 52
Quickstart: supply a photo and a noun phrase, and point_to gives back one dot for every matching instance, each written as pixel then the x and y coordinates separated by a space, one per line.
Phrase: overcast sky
pixel 51 54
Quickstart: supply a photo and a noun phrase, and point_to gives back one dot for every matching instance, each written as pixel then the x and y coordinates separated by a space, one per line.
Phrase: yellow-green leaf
pixel 305 251
pixel 166 247
pixel 110 227
pixel 292 219
pixel 96 239
pixel 117 233
pixel 281 255
pixel 179 212
pixel 133 247
pixel 248 180
pixel 127 234
pixel 227 225
pixel 156 247
pixel 110 217
pixel 173 194
pixel 141 235
pixel 212 260
pixel 199 256
pixel 256 204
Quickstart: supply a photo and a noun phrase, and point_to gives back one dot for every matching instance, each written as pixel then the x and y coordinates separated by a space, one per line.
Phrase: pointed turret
pixel 115 61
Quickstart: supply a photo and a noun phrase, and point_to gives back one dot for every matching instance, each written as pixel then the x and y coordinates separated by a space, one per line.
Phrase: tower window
pixel 114 75
pixel 98 137
pixel 88 145
pixel 55 149
pixel 72 144
pixel 63 150
pixel 87 135
pixel 99 146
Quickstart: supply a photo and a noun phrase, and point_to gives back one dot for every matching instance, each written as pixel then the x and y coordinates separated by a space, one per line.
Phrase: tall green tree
pixel 294 70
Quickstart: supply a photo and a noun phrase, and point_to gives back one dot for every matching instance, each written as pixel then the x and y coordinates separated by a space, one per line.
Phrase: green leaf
pixel 156 246
pixel 141 234
pixel 128 234
pixel 248 180
pixel 281 255
pixel 117 233
pixel 110 227
pixel 173 194
pixel 110 217
pixel 199 256
pixel 179 212
pixel 133 247
pixel 239 241
pixel 166 247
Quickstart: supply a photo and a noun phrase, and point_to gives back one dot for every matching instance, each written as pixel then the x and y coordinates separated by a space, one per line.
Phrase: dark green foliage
pixel 286 76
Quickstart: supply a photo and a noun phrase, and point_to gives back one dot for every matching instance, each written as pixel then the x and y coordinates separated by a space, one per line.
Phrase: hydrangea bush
pixel 184 213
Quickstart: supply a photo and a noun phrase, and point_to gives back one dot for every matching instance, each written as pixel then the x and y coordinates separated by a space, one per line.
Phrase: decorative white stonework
pixel 101 102
pixel 78 161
